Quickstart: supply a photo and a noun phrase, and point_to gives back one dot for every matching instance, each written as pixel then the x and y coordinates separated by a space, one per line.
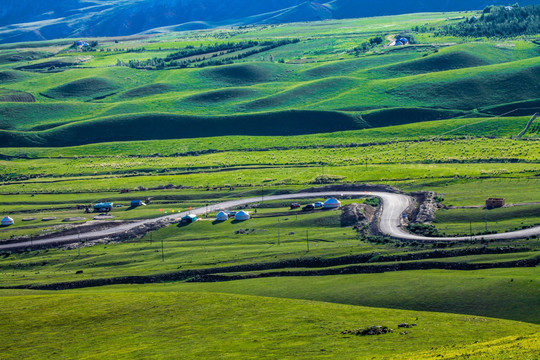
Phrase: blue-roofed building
pixel 103 207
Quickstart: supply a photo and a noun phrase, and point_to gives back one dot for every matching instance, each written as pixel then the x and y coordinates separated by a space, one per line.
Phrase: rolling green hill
pixel 444 85
pixel 386 86
pixel 165 324
pixel 162 126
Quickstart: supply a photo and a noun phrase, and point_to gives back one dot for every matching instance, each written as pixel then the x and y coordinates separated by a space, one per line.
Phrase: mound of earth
pixel 400 116
pixel 148 90
pixel 304 94
pixel 442 62
pixel 524 108
pixel 427 206
pixel 7 76
pixel 18 56
pixel 335 69
pixel 16 96
pixel 472 92
pixel 354 214
pixel 83 88
pixel 59 63
pixel 241 74
pixel 221 95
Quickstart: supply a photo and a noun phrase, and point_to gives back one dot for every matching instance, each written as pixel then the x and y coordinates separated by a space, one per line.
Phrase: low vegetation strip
pixel 252 271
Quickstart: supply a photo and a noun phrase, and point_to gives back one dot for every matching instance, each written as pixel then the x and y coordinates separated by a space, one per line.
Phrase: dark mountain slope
pixel 307 11
pixel 23 20
pixel 342 9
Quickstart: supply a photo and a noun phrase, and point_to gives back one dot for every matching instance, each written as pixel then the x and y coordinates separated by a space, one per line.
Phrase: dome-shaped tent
pixel 222 216
pixel 7 221
pixel 241 216
pixel 190 218
pixel 332 204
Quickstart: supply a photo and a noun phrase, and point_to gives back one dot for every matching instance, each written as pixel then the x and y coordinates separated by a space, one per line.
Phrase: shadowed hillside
pixel 159 126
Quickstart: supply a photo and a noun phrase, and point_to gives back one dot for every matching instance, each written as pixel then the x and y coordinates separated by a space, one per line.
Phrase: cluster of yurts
pixel 243 215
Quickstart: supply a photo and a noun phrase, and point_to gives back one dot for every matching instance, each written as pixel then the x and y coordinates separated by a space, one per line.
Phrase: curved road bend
pixel 390 221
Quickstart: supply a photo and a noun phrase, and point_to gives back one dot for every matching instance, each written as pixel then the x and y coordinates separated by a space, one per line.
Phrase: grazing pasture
pixel 182 120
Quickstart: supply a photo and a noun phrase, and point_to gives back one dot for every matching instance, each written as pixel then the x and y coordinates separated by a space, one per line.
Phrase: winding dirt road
pixel 393 206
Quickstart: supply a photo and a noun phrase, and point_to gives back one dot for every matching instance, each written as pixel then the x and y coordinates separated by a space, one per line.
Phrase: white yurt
pixel 241 216
pixel 222 216
pixel 332 204
pixel 7 221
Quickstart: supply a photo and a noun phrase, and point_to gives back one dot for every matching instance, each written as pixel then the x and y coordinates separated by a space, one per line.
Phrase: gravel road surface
pixel 394 205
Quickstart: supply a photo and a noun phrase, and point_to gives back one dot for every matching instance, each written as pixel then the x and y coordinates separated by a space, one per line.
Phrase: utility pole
pixel 405 153
pixel 486 218
pixel 278 232
pixel 162 253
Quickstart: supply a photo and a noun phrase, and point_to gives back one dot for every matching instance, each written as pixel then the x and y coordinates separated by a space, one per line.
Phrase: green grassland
pixel 440 115
pixel 481 292
pixel 461 221
pixel 163 324
pixel 94 96
pixel 274 239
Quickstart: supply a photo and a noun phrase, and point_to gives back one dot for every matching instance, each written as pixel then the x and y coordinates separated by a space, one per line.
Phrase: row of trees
pixel 497 22
pixel 186 57
pixel 190 51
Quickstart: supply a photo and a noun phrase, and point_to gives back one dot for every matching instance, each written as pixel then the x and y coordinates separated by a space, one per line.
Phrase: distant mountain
pixel 27 20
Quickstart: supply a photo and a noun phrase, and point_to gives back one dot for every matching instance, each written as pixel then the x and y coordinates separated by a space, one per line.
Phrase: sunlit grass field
pixel 440 115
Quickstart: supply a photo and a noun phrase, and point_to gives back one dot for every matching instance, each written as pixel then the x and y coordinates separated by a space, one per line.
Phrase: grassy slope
pixel 167 324
pixel 503 127
pixel 459 221
pixel 145 126
pixel 403 79
pixel 501 293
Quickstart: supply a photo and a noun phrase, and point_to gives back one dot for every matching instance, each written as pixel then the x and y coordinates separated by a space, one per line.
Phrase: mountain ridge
pixel 31 20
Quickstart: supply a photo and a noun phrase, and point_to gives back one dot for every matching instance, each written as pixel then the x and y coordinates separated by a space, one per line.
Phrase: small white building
pixel 222 216
pixel 7 221
pixel 242 216
pixel 332 204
